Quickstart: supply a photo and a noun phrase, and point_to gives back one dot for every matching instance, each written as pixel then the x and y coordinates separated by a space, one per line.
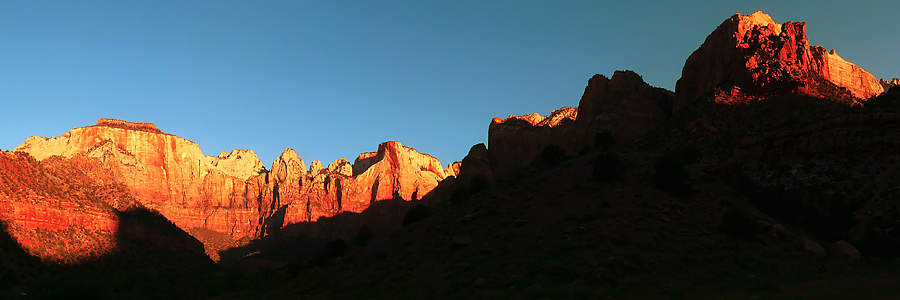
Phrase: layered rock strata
pixel 73 210
pixel 233 193
pixel 167 173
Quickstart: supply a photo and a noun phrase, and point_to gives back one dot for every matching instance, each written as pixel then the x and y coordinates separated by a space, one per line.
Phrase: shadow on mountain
pixel 303 242
pixel 153 259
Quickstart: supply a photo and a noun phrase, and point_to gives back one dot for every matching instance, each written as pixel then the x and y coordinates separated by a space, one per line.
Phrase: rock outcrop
pixel 516 141
pixel 452 169
pixel 239 163
pixel 887 85
pixel 624 105
pixel 758 55
pixel 477 163
pixel 393 172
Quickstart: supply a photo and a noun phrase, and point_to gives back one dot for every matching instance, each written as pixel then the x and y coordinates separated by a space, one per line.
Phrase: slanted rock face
pixel 753 52
pixel 835 69
pixel 167 173
pixel 477 163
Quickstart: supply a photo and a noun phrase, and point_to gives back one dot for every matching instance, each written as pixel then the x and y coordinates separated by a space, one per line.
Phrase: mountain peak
pixel 756 54
pixel 757 18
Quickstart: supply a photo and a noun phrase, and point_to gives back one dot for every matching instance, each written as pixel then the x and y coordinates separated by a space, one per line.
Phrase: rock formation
pixel 625 106
pixel 394 171
pixel 887 85
pixel 756 54
pixel 233 193
pixel 240 163
pixel 73 210
pixel 452 169
pixel 168 173
pixel 516 141
pixel 477 163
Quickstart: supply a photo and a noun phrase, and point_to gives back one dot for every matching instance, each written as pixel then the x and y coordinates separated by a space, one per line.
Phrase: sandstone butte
pixel 232 193
pixel 754 53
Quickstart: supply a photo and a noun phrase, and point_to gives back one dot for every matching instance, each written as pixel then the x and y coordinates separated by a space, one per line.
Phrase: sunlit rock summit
pixel 756 54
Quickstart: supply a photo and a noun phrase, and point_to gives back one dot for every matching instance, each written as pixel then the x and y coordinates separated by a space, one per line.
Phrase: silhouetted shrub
pixel 670 174
pixel 738 224
pixel 608 167
pixel 552 154
pixel 415 214
pixel 363 236
pixel 603 141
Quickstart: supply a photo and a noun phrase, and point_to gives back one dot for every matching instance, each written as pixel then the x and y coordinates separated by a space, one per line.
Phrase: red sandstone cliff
pixel 73 210
pixel 394 171
pixel 756 54
pixel 233 194
pixel 168 173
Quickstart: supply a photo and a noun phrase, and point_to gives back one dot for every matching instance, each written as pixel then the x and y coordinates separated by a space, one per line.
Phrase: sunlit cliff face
pixel 60 211
pixel 59 236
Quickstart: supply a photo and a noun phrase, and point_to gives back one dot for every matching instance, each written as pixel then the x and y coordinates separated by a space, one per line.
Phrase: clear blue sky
pixel 332 79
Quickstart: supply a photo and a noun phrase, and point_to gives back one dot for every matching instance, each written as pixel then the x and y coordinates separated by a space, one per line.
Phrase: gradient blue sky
pixel 332 79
